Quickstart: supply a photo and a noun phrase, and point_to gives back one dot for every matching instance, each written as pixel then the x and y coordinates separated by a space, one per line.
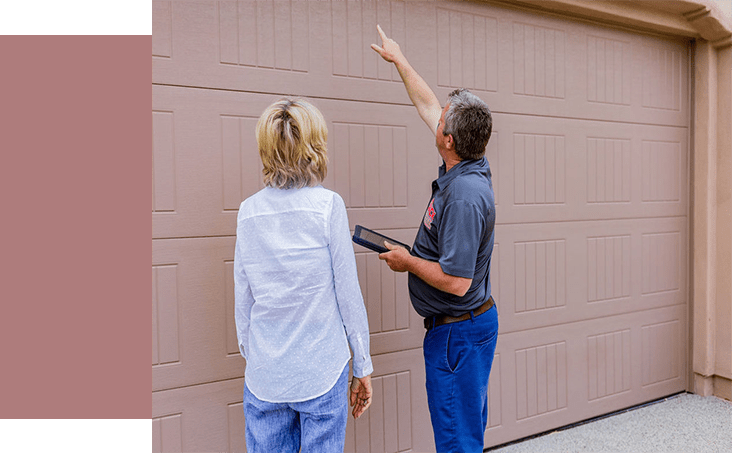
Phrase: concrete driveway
pixel 682 423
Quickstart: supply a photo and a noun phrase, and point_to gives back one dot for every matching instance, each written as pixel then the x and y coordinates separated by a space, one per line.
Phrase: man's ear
pixel 449 141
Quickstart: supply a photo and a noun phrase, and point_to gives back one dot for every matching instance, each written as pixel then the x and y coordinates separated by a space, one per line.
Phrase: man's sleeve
pixel 460 233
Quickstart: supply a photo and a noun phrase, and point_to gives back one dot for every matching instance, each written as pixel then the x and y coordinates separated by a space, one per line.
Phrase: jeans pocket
pixel 487 339
pixel 487 331
pixel 454 350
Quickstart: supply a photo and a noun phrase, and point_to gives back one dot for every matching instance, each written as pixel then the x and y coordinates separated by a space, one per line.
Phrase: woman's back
pixel 298 303
pixel 297 342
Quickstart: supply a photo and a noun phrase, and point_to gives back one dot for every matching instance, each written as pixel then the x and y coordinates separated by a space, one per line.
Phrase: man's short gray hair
pixel 469 121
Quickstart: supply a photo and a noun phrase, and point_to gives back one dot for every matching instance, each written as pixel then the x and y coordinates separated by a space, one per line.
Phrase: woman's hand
pixel 361 395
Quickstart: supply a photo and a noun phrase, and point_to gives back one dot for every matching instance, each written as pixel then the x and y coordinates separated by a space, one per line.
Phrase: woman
pixel 297 299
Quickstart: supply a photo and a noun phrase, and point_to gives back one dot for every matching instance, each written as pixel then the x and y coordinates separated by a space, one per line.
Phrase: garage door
pixel 590 161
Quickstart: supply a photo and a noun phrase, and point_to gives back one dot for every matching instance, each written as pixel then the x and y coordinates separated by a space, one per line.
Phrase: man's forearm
pixel 418 90
pixel 400 260
pixel 432 273
pixel 422 97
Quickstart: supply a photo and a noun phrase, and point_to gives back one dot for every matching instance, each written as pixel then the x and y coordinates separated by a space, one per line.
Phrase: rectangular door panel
pixel 398 419
pixel 561 374
pixel 557 170
pixel 551 274
pixel 194 336
pixel 205 417
pixel 530 64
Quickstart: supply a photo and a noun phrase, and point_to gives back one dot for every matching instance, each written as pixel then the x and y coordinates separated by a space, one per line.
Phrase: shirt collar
pixel 462 168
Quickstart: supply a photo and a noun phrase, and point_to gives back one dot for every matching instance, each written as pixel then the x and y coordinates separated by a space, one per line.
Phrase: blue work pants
pixel 458 358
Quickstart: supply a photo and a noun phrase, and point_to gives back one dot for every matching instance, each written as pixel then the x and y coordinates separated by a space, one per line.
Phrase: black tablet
pixel 374 241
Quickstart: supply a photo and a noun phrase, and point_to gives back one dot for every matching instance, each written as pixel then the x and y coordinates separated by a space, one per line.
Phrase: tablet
pixel 374 241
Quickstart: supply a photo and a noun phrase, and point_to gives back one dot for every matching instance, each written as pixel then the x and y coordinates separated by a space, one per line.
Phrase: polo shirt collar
pixel 463 167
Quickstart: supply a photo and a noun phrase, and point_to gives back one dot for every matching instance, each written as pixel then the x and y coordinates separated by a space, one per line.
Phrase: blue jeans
pixel 316 425
pixel 458 358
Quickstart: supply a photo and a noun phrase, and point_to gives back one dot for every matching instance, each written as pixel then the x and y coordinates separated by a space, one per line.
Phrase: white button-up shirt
pixel 297 299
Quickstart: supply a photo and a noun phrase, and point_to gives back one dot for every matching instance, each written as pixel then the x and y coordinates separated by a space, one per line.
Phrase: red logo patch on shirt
pixel 430 214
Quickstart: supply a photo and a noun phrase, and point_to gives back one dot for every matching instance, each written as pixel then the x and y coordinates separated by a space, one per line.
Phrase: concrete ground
pixel 683 423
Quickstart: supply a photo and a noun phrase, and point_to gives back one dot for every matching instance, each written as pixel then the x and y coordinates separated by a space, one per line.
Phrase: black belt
pixel 433 321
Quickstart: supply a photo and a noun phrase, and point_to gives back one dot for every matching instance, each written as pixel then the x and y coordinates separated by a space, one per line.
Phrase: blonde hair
pixel 292 141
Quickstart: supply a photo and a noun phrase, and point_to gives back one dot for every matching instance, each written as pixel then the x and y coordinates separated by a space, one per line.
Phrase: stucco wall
pixel 712 219
pixel 723 323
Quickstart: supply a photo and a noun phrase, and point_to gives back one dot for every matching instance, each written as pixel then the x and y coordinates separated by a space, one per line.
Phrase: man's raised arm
pixel 419 92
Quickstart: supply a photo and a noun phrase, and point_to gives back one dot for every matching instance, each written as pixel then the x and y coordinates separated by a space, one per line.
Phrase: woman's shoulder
pixel 256 198
pixel 322 193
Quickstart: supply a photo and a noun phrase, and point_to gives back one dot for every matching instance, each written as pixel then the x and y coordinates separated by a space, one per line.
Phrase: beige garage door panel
pixel 201 418
pixel 519 62
pixel 209 417
pixel 558 375
pixel 194 336
pixel 556 274
pixel 205 160
pixel 277 46
pixel 394 324
pixel 398 419
pixel 527 63
pixel 553 169
pixel 382 160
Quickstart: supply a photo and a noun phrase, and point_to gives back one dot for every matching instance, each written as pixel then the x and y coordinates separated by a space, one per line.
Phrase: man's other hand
pixel 397 257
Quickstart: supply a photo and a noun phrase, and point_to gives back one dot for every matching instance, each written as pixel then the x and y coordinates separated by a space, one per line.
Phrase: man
pixel 449 264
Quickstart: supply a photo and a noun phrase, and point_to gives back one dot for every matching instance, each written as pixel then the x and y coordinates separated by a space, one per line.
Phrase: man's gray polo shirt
pixel 458 231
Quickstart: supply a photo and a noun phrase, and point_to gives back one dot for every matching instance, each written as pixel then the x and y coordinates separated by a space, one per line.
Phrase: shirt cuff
pixel 362 368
